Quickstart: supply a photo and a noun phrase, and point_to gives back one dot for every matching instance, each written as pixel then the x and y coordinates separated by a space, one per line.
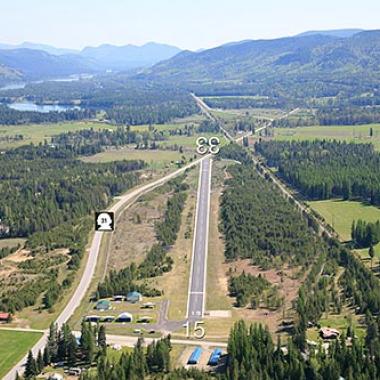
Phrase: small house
pixel 5 317
pixel 124 317
pixel 328 333
pixel 103 305
pixel 134 297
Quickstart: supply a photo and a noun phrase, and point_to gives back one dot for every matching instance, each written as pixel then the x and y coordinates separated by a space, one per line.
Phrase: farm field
pixel 36 133
pixel 349 133
pixel 14 345
pixel 340 214
pixel 156 159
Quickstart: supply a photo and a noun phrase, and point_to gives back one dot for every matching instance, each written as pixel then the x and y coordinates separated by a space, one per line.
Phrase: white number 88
pixel 210 145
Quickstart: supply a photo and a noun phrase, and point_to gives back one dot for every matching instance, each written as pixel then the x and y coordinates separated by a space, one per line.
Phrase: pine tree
pixel 88 342
pixel 30 367
pixel 46 356
pixel 40 362
pixel 53 342
pixel 72 350
pixel 371 253
pixel 102 341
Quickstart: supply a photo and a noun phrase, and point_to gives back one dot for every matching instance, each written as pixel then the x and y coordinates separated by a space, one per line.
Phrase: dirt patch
pixel 134 234
pixel 287 283
pixel 19 256
pixel 286 278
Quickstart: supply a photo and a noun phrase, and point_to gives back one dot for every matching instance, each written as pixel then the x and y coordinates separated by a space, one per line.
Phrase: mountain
pixel 8 75
pixel 38 61
pixel 340 33
pixel 129 56
pixel 35 46
pixel 315 54
pixel 36 64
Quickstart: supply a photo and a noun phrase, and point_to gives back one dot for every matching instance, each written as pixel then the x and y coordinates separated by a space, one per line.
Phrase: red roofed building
pixel 5 317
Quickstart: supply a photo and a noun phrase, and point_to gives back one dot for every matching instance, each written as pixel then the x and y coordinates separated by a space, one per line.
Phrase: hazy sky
pixel 190 24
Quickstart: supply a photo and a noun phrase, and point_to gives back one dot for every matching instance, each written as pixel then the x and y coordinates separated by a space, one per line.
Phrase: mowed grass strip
pixel 14 345
pixel 349 133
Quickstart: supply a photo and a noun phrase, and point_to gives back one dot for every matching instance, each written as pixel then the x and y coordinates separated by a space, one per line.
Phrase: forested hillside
pixel 313 70
pixel 327 169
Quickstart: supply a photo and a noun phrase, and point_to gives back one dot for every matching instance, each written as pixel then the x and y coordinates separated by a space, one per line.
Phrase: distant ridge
pixel 340 33
pixel 312 57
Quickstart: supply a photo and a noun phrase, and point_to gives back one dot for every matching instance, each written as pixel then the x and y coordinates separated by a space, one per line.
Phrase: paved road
pixel 130 341
pixel 197 285
pixel 207 111
pixel 89 270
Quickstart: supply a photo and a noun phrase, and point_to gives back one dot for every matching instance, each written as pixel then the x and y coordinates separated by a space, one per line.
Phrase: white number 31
pixel 205 145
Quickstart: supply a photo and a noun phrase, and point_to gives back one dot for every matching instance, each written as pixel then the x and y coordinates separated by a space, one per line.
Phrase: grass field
pixel 36 133
pixel 11 242
pixel 340 214
pixel 349 133
pixel 156 159
pixel 14 345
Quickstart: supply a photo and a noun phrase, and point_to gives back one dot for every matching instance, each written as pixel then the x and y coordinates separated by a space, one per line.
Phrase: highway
pixel 198 271
pixel 92 258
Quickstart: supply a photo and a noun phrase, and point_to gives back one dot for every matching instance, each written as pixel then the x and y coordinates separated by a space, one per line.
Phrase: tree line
pixel 323 169
pixel 9 116
pixel 365 234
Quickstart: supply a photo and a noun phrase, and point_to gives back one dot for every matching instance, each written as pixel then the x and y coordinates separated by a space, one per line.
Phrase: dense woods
pixel 272 232
pixel 253 355
pixel 365 234
pixel 239 102
pixel 233 152
pixel 38 193
pixel 326 169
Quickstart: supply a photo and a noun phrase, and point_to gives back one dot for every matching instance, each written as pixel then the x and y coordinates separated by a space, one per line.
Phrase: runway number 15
pixel 198 332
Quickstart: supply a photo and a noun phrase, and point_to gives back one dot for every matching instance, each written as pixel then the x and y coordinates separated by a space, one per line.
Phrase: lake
pixel 71 78
pixel 44 108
